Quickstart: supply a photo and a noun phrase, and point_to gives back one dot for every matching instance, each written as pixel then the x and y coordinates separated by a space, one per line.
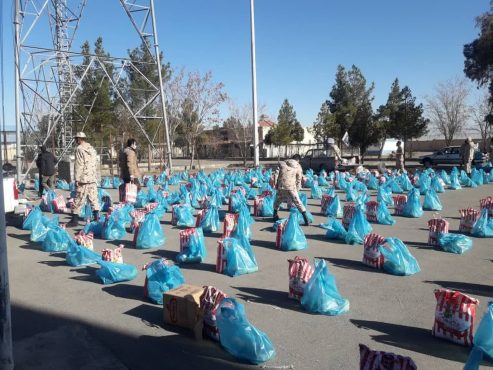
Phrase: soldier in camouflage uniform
pixel 288 184
pixel 85 172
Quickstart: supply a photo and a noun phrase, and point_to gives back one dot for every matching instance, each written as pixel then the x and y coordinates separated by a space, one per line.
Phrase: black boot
pixel 275 217
pixel 74 221
pixel 305 218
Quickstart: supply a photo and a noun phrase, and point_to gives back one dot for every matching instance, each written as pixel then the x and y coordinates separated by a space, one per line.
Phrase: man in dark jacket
pixel 46 165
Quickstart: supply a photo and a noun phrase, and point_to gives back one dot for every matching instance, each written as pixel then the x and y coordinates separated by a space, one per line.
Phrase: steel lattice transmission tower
pixel 49 73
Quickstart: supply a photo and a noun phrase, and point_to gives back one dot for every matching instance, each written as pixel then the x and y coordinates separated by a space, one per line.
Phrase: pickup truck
pixel 322 159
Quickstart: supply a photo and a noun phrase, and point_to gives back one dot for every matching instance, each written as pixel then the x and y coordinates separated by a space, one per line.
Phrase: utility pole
pixel 18 152
pixel 254 87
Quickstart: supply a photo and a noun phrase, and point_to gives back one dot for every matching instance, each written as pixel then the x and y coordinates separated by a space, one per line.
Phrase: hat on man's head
pixel 469 139
pixel 80 135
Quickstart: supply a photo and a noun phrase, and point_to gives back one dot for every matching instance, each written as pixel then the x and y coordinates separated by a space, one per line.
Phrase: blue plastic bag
pixel 372 183
pixel 383 215
pixel 293 238
pixel 243 225
pixel 483 341
pixel 446 178
pixel 239 337
pixel 106 183
pixel 316 191
pixel 483 227
pixel 394 187
pixel 210 221
pixel 116 182
pixel 41 226
pixel 184 216
pixel 322 181
pixel 105 201
pixel 113 229
pixel 240 258
pixel 424 183
pixel 413 208
pixel 454 243
pixel 56 240
pixel 359 227
pixel 150 235
pixel 161 276
pixel 385 196
pixel 321 295
pixel 431 201
pixel 405 183
pixel 141 200
pixel 46 204
pixel 437 185
pixel 334 209
pixel 36 184
pixel 454 181
pixel 350 193
pixel 335 230
pixel 397 258
pixel 267 207
pixel 112 272
pixel 86 211
pixel 33 216
pixel 79 256
pixel 62 185
pixel 477 177
pixel 195 251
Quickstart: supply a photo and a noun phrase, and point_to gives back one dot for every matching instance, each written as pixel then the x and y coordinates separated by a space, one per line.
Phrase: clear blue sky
pixel 299 44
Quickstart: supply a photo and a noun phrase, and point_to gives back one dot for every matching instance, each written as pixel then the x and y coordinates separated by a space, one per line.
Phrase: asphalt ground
pixel 123 329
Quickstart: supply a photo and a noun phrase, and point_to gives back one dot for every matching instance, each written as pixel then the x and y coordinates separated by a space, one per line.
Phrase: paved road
pixel 387 312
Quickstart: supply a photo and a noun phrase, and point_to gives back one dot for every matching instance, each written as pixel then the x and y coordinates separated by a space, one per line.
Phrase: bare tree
pixel 479 111
pixel 200 107
pixel 447 109
pixel 175 96
pixel 240 123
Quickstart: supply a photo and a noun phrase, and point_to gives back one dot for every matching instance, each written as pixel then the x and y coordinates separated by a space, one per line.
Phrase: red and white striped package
pixel 371 210
pixel 130 193
pixel 266 193
pixel 347 214
pixel 325 202
pixel 454 316
pixel 85 240
pixel 185 238
pixel 280 232
pixel 209 303
pixel 436 226
pixel 238 189
pixel 115 207
pixel 468 218
pixel 400 201
pixel 200 217
pixel 221 257
pixel 59 204
pixel 135 228
pixel 488 204
pixel 257 205
pixel 371 252
pixel 378 360
pixel 137 217
pixel 113 255
pixel 230 221
pixel 300 271
pixel 303 180
pixel 150 206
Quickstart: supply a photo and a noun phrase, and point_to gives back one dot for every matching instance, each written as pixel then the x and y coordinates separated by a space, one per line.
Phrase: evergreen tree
pixel 478 65
pixel 364 130
pixel 324 126
pixel 286 122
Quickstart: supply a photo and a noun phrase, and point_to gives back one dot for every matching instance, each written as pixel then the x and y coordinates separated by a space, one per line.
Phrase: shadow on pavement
pixel 163 253
pixel 126 291
pixel 468 288
pixel 349 264
pixel 413 339
pixel 162 350
pixel 269 244
pixel 198 266
pixel 89 274
pixel 419 245
pixel 54 263
pixel 270 297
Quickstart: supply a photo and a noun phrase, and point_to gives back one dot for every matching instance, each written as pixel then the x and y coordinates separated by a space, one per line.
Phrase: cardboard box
pixel 181 307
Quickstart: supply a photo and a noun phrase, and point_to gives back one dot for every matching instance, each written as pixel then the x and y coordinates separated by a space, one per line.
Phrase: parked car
pixel 450 155
pixel 322 159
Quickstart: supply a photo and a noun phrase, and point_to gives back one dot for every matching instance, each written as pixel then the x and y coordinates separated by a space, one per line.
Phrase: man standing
pixel 46 165
pixel 467 151
pixel 129 169
pixel 288 184
pixel 399 157
pixel 85 172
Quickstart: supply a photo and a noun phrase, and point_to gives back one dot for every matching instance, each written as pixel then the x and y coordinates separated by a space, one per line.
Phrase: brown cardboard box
pixel 181 307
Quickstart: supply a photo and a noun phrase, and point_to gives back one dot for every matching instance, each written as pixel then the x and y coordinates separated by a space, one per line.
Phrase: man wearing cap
pixel 467 151
pixel 46 165
pixel 85 173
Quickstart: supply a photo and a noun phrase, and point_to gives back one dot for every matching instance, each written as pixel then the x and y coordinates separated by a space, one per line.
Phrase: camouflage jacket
pixel 290 175
pixel 85 170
